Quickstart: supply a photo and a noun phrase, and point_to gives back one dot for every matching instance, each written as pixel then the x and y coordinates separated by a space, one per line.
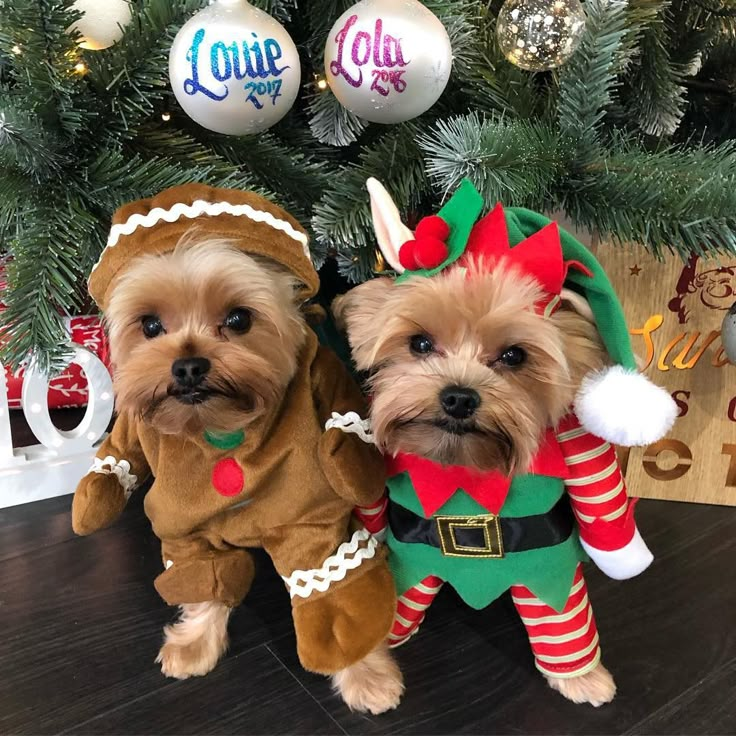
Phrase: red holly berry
pixel 407 255
pixel 430 252
pixel 432 227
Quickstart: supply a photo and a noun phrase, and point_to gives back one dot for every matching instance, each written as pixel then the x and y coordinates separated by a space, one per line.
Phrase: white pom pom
pixel 624 407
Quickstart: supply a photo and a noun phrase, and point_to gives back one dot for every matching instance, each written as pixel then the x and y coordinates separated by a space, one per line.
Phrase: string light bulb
pixel 16 50
pixel 166 116
pixel 380 263
pixel 322 83
pixel 80 67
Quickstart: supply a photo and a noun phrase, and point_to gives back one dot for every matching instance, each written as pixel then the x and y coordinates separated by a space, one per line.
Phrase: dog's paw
pixel 194 659
pixel 194 644
pixel 373 685
pixel 595 687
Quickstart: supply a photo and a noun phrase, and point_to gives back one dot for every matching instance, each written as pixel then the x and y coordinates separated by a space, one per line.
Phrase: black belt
pixel 485 535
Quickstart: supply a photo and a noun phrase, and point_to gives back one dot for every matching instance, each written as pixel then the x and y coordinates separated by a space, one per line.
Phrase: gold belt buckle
pixel 489 523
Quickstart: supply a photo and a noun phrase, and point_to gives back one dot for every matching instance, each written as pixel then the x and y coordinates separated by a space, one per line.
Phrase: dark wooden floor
pixel 80 625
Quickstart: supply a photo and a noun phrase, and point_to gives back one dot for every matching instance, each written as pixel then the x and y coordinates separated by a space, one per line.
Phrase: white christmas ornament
pixel 388 60
pixel 103 22
pixel 234 69
pixel 540 34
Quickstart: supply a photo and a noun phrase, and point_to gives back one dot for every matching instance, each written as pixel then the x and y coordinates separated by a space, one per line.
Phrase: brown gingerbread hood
pixel 156 225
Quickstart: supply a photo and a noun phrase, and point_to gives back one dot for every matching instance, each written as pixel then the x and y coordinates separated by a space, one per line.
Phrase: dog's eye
pixel 239 320
pixel 513 356
pixel 421 344
pixel 152 326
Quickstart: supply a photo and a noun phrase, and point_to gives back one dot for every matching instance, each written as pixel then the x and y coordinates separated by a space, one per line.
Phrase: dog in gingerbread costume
pixel 500 368
pixel 224 396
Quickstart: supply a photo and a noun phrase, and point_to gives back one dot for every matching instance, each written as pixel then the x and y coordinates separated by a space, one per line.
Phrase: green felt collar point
pixel 224 440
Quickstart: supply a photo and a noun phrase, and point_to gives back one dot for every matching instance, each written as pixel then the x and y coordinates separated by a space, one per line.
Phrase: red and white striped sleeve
pixel 598 496
pixel 375 517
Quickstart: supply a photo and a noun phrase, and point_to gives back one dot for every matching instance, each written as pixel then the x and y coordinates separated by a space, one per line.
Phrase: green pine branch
pixel 44 275
pixel 657 95
pixel 342 221
pixel 331 123
pixel 674 199
pixel 25 145
pixel 588 79
pixel 514 161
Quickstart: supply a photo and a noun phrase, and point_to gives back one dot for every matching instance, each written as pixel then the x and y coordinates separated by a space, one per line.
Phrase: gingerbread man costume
pixel 287 483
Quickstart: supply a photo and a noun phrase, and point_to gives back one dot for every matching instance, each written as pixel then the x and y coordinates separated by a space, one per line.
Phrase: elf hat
pixel 252 223
pixel 618 403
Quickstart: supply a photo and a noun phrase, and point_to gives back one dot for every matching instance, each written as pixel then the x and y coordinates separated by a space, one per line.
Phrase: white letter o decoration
pixel 100 404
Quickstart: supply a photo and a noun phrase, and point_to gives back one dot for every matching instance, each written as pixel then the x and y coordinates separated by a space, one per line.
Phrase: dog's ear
pixel 391 233
pixel 582 344
pixel 358 313
pixel 577 303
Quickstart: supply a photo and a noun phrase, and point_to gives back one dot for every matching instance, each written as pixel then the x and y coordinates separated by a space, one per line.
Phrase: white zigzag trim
pixel 197 208
pixel 121 469
pixel 303 583
pixel 351 423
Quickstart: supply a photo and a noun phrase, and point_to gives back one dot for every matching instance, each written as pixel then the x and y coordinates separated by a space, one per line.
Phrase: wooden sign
pixel 674 311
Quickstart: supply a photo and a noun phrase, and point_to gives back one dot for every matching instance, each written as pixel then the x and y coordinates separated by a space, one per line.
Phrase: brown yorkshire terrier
pixel 462 369
pixel 187 297
pixel 224 395
pixel 480 360
pixel 463 372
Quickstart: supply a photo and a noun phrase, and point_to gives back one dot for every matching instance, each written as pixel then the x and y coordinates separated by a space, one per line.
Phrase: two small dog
pixel 464 371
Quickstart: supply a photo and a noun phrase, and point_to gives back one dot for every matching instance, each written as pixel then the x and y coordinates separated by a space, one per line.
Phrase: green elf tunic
pixel 548 571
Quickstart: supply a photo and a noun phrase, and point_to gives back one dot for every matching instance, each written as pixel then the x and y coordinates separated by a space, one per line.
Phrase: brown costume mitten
pixel 353 466
pixel 102 494
pixel 340 627
pixel 342 592
pixel 98 501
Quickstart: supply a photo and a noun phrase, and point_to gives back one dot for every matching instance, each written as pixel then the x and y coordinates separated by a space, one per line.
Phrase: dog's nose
pixel 190 372
pixel 459 402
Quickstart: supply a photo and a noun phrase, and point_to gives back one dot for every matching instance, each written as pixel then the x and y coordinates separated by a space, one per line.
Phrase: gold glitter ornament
pixel 540 34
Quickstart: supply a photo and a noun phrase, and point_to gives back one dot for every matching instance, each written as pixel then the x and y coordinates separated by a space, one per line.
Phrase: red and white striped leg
pixel 411 608
pixel 565 644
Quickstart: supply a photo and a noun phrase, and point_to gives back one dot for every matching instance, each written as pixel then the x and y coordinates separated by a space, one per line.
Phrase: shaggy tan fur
pixel 471 321
pixel 373 685
pixel 596 687
pixel 194 644
pixel 192 290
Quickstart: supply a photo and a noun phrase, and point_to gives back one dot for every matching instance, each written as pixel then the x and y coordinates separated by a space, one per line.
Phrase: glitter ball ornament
pixel 388 60
pixel 234 69
pixel 102 23
pixel 728 333
pixel 540 34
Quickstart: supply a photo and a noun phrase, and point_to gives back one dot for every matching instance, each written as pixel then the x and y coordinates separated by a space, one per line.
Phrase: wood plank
pixel 708 707
pixel 82 622
pixel 250 693
pixel 472 672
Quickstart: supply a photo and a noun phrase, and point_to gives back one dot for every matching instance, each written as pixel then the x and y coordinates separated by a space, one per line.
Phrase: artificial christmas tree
pixel 630 137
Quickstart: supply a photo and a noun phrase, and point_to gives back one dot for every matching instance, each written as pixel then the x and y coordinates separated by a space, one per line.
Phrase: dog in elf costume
pixel 500 369
pixel 224 396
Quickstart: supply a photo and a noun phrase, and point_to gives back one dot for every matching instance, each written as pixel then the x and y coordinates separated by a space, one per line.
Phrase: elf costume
pixel 485 533
pixel 287 483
